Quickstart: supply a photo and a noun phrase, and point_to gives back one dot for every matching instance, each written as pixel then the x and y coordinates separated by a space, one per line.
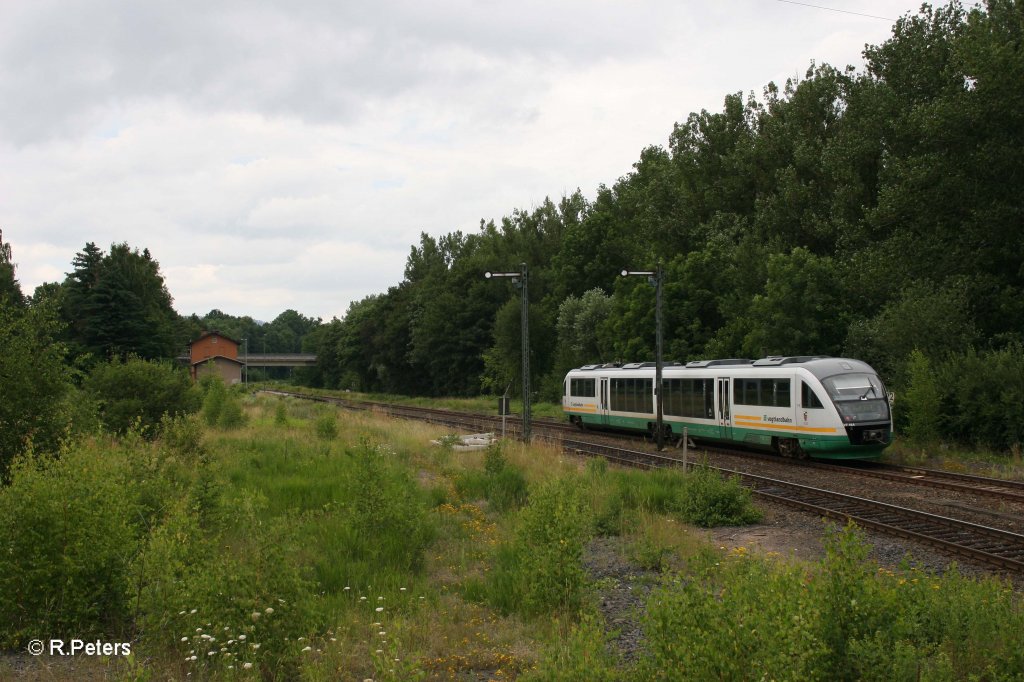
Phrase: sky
pixel 288 155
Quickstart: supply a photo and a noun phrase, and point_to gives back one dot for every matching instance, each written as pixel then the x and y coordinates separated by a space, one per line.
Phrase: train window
pixel 780 392
pixel 583 388
pixel 762 392
pixel 689 398
pixel 808 398
pixel 632 395
pixel 858 397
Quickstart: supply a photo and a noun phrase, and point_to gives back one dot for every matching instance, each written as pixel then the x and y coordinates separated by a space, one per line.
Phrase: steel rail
pixel 994 547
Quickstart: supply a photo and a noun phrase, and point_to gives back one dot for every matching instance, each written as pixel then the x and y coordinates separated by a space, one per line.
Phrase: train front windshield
pixel 858 397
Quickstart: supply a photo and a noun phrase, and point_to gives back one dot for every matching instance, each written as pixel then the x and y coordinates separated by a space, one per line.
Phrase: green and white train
pixel 820 407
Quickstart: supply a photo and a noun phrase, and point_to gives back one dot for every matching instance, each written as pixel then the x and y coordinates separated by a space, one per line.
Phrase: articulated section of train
pixel 819 407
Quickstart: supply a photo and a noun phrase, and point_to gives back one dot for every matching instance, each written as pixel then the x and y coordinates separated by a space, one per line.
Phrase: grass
pixel 958 459
pixel 346 546
pixel 480 405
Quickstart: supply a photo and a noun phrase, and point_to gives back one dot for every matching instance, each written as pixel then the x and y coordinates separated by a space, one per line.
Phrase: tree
pixel 10 290
pixel 582 337
pixel 931 319
pixel 800 311
pixel 117 305
pixel 35 382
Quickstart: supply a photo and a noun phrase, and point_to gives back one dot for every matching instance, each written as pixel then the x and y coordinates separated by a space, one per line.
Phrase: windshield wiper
pixel 871 389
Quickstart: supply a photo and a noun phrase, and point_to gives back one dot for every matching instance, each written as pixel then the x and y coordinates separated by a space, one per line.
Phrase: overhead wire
pixel 834 9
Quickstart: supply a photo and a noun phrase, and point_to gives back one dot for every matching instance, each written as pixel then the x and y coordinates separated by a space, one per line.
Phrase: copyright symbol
pixel 35 647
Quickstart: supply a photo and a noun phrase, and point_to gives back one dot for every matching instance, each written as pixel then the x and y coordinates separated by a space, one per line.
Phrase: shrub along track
pixel 995 547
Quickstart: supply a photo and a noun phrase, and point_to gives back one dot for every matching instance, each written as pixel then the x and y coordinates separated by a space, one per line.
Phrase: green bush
pixel 921 401
pixel 733 620
pixel 200 592
pixel 183 436
pixel 983 397
pixel 501 484
pixel 551 532
pixel 540 570
pixel 841 619
pixel 326 426
pixel 387 513
pixel 709 500
pixel 67 534
pixel 231 414
pixel 214 395
pixel 140 392
pixel 35 381
pixel 507 489
pixel 221 407
pixel 281 414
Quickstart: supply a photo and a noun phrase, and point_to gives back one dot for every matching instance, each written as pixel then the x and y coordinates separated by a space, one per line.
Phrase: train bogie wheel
pixel 790 447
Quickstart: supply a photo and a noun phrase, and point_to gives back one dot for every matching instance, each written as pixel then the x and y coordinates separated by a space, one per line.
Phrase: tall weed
pixel 501 483
pixel 841 619
pixel 581 655
pixel 201 589
pixel 68 530
pixel 541 570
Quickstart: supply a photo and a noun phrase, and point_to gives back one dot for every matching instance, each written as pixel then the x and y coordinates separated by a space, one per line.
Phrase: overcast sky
pixel 276 155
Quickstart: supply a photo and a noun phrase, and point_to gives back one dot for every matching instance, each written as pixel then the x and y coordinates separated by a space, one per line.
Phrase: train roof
pixel 820 366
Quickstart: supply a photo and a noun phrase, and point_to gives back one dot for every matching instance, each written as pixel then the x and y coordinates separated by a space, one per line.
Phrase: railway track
pixel 1008 490
pixel 997 548
pixel 992 546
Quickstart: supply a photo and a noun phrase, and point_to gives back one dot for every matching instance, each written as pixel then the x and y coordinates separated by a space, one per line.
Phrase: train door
pixel 602 401
pixel 724 410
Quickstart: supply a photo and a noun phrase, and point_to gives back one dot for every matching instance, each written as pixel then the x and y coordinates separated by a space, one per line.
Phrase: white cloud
pixel 276 155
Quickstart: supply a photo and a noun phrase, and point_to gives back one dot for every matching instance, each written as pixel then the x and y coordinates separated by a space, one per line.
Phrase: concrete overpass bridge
pixel 278 359
pixel 269 360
